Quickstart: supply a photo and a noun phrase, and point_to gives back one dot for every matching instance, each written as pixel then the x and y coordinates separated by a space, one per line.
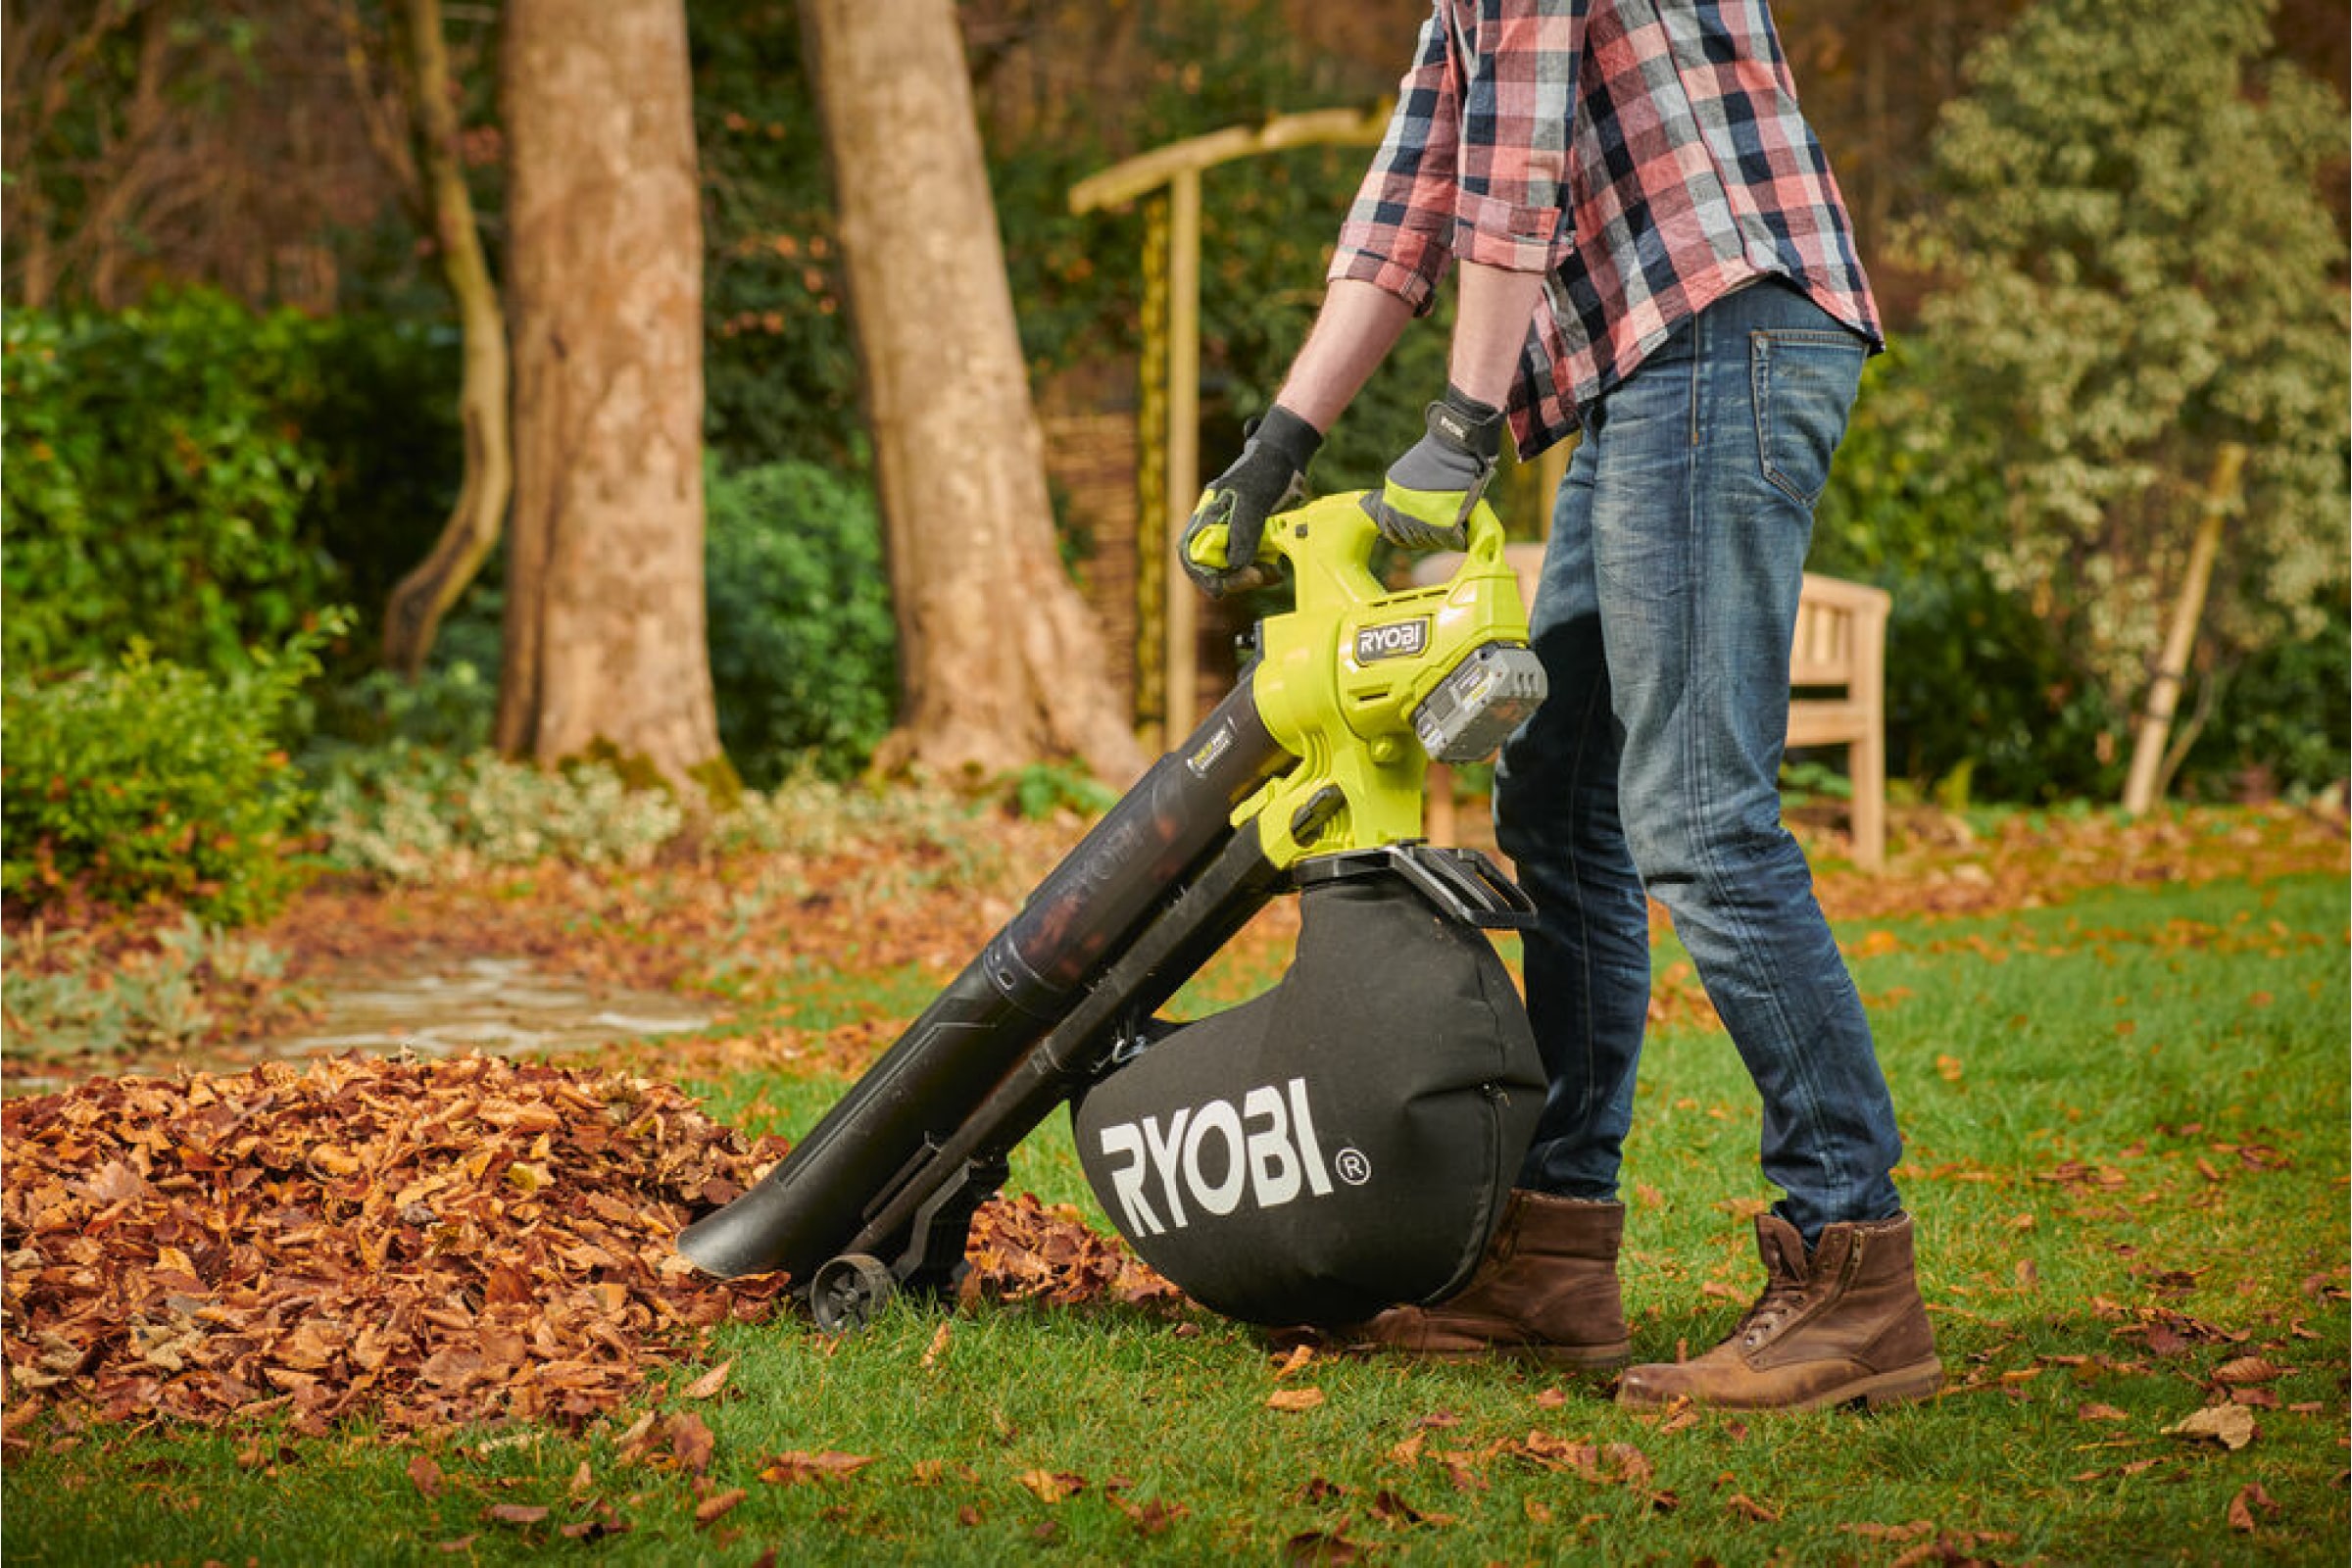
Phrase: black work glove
pixel 1220 543
pixel 1429 491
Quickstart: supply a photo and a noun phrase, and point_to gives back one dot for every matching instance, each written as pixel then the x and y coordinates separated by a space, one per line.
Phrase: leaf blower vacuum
pixel 1341 1144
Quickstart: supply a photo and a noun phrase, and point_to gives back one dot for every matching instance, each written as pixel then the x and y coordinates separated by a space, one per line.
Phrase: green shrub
pixel 156 482
pixel 450 707
pixel 1044 790
pixel 76 992
pixel 205 479
pixel 413 815
pixel 803 651
pixel 2279 722
pixel 154 782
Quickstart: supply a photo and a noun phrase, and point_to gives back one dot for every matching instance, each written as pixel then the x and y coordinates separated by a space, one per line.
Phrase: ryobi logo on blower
pixel 1214 1155
pixel 1399 639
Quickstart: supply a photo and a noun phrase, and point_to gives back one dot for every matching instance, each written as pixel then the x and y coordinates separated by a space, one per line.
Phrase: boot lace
pixel 1783 1295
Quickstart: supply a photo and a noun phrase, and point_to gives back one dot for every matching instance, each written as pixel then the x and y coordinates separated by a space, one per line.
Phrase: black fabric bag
pixel 1339 1145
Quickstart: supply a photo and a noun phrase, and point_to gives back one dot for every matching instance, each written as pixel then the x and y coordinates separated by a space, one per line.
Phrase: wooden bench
pixel 1836 671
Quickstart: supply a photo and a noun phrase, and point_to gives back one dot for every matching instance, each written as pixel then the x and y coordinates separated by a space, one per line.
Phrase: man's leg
pixel 1708 466
pixel 1556 816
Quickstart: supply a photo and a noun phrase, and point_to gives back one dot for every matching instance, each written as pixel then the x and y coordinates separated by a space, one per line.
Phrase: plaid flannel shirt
pixel 1649 155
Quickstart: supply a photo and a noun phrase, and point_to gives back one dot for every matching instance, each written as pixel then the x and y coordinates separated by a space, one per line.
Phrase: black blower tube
pixel 1029 977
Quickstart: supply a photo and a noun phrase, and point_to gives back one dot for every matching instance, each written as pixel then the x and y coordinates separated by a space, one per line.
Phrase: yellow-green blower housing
pixel 1366 686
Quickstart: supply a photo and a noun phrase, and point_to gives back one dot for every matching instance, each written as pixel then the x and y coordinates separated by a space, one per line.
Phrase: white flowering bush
pixel 2143 267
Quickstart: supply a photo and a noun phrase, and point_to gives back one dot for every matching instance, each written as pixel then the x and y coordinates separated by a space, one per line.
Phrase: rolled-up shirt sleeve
pixel 1399 235
pixel 1475 159
pixel 1517 105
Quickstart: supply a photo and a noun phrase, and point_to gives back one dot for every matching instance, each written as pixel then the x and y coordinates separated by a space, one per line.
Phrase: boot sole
pixel 1902 1386
pixel 1579 1357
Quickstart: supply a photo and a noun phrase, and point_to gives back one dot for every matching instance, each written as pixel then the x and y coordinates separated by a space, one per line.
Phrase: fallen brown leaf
pixel 514 1513
pixel 691 1443
pixel 1149 1518
pixel 706 1386
pixel 426 1476
pixel 1391 1508
pixel 711 1509
pixel 2250 1497
pixel 2229 1425
pixel 1294 1400
pixel 1050 1486
pixel 606 1521
pixel 791 1469
pixel 1321 1547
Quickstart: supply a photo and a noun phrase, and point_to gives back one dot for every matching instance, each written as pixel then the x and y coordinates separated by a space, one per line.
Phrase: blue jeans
pixel 1664 619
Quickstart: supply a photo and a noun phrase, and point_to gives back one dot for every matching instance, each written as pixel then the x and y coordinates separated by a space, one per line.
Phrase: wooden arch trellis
pixel 1167 180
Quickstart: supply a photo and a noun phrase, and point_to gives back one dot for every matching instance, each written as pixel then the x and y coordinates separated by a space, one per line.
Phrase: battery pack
pixel 1476 706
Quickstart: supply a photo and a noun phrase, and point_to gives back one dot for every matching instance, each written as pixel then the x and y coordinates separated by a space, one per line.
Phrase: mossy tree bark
pixel 1002 662
pixel 605 649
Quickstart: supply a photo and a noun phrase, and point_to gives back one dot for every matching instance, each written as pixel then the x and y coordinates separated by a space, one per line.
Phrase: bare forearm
pixel 1360 323
pixel 1490 329
pixel 1352 333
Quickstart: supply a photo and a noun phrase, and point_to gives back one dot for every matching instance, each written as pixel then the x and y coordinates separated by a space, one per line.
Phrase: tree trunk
pixel 1001 660
pixel 2149 771
pixel 413 613
pixel 604 645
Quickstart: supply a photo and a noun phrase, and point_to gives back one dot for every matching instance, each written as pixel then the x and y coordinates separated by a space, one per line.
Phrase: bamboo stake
pixel 1151 562
pixel 2163 692
pixel 1184 444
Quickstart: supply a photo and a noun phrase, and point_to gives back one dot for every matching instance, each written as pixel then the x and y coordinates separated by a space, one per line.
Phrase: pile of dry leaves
pixel 421 1242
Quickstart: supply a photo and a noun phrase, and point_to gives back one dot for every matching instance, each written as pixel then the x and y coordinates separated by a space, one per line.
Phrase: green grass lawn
pixel 2127 1128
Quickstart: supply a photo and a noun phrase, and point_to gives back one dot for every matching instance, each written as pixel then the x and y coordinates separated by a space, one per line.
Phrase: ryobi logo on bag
pixel 1399 639
pixel 1213 1155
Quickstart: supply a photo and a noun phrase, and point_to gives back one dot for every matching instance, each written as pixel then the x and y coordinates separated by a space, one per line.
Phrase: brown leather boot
pixel 1844 1326
pixel 1545 1290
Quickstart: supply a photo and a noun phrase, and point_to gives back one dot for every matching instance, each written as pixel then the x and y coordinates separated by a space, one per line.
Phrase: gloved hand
pixel 1220 543
pixel 1427 500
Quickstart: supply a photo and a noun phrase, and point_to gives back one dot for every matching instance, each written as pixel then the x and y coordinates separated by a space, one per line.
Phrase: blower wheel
pixel 847 1291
